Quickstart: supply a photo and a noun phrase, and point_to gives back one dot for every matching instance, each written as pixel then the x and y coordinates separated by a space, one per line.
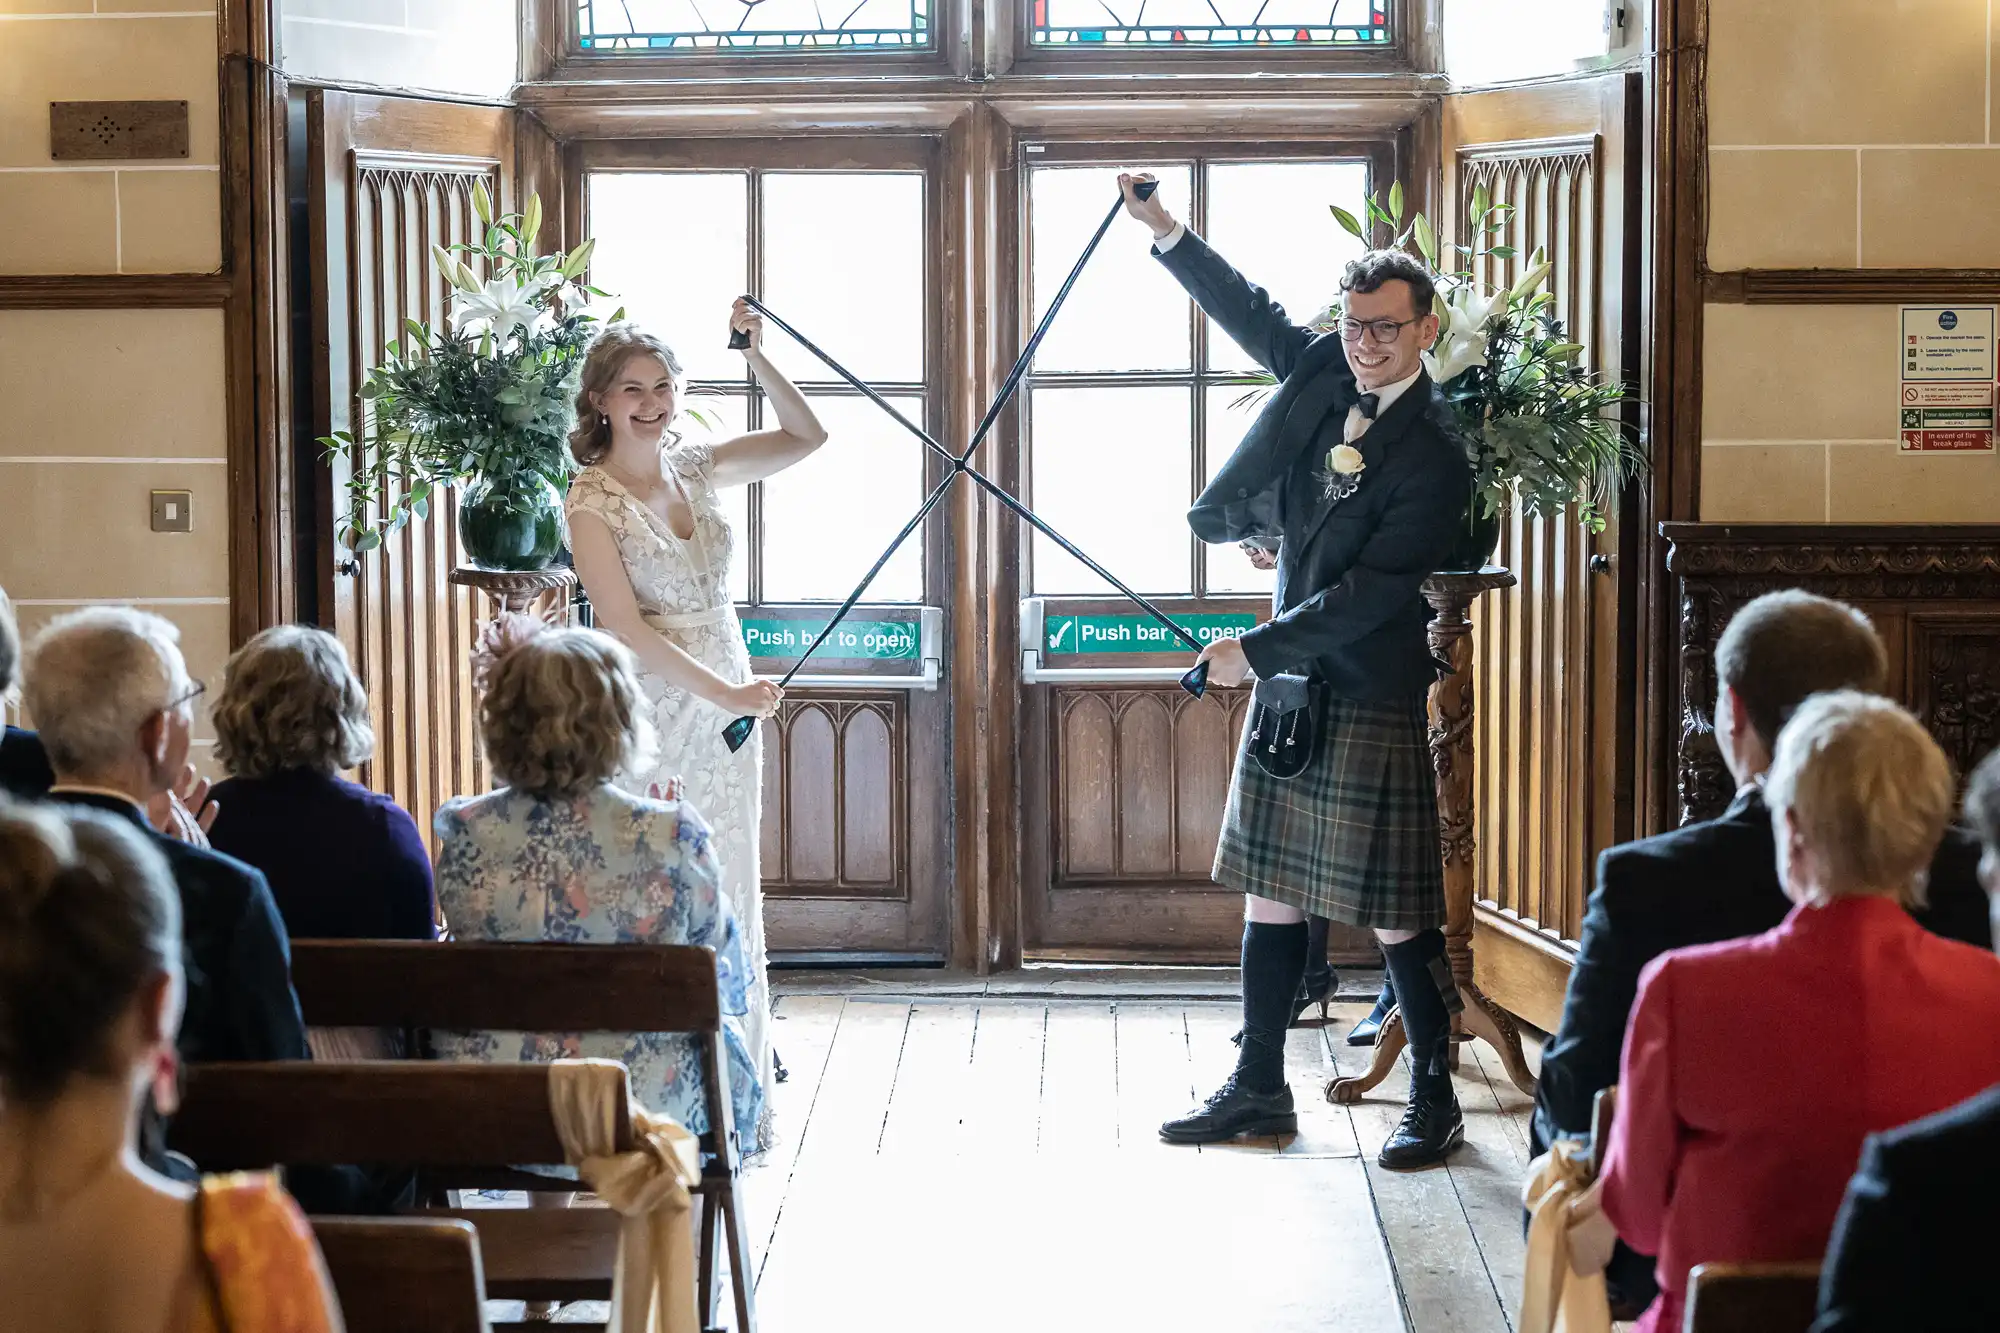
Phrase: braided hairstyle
pixel 88 918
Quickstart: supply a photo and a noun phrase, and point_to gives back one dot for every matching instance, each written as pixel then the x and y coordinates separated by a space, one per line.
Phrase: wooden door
pixel 387 178
pixel 1555 653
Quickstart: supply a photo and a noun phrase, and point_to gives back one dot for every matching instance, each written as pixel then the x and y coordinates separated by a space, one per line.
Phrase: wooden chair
pixel 404 1275
pixel 1752 1298
pixel 552 988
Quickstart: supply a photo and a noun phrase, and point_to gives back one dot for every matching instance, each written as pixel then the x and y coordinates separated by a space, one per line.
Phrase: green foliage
pixel 490 394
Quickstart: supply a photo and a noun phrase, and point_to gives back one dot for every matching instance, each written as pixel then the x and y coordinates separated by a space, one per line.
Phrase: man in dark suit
pixel 1912 1243
pixel 1355 466
pixel 1718 880
pixel 110 692
pixel 24 766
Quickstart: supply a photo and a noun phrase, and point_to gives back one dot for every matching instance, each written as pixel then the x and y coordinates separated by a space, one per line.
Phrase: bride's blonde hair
pixel 590 440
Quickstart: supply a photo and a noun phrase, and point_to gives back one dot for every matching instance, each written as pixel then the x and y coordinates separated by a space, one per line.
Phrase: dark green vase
pixel 517 527
pixel 1476 541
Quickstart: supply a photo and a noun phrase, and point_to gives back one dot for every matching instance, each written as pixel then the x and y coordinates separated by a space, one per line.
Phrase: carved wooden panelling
pixel 410 631
pixel 1933 594
pixel 1536 642
pixel 836 797
pixel 1140 777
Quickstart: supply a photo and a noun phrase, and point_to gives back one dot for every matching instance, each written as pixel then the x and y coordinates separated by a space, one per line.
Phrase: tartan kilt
pixel 1354 838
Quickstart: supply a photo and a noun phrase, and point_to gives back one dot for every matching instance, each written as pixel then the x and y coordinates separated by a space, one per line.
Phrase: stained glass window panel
pixel 1272 220
pixel 730 27
pixel 673 249
pixel 844 264
pixel 1125 312
pixel 826 520
pixel 1209 23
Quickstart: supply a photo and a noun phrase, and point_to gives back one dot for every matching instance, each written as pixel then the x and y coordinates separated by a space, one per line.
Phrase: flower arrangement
pixel 486 399
pixel 1540 430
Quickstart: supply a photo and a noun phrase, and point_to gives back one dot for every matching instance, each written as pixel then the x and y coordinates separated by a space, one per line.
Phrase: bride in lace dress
pixel 653 548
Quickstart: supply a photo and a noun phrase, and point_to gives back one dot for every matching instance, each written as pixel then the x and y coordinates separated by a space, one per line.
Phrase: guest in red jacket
pixel 1754 1069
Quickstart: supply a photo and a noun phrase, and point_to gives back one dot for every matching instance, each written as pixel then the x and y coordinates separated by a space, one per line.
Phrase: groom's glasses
pixel 1385 330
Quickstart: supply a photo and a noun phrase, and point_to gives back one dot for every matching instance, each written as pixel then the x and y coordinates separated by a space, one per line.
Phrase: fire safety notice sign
pixel 1948 379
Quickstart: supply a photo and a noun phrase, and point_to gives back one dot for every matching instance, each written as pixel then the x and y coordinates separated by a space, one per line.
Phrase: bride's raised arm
pixel 761 453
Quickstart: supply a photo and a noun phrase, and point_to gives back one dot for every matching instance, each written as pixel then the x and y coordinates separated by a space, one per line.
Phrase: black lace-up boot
pixel 1255 1098
pixel 1431 1125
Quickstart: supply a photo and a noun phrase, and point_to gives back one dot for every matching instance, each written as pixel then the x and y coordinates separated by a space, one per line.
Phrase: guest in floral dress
pixel 560 854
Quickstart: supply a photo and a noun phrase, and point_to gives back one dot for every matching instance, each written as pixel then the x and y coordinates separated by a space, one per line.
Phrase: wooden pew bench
pixel 404 1275
pixel 1752 1298
pixel 461 1141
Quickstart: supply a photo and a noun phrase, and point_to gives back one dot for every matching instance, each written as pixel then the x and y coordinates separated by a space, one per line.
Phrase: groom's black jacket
pixel 1348 607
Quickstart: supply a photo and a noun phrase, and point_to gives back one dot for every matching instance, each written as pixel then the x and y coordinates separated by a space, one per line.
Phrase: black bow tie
pixel 1370 404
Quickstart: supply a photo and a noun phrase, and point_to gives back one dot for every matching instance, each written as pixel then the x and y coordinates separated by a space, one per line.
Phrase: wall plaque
pixel 123 130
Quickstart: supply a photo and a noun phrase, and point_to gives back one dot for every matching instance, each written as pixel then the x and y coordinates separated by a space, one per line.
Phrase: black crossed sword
pixel 1195 682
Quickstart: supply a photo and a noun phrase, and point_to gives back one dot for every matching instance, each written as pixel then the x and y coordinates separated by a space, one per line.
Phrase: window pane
pixel 1519 39
pixel 1272 220
pixel 1125 312
pixel 738 26
pixel 844 265
pixel 673 248
pixel 1209 23
pixel 1229 570
pixel 827 519
pixel 725 417
pixel 1111 474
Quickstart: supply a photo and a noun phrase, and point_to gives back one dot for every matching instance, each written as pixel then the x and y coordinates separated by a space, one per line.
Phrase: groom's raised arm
pixel 1245 311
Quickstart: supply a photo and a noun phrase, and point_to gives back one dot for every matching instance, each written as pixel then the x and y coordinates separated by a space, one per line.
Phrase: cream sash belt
pixel 1563 1291
pixel 715 615
pixel 653 1288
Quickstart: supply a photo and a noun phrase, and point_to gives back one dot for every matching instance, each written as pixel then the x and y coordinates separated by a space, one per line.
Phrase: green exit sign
pixel 1075 636
pixel 868 640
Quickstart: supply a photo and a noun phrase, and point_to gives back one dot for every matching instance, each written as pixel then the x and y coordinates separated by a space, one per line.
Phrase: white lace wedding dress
pixel 683 592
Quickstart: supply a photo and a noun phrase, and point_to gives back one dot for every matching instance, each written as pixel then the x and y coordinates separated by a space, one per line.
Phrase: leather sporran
pixel 1285 724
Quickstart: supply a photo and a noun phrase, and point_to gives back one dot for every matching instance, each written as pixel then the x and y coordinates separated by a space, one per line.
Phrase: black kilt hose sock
pixel 1274 958
pixel 1428 997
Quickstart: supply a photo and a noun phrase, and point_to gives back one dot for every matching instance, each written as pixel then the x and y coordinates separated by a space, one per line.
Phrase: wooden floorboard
pixel 1007 1145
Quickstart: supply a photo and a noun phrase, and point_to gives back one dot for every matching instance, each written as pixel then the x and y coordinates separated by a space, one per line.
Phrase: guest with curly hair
pixel 343 862
pixel 560 853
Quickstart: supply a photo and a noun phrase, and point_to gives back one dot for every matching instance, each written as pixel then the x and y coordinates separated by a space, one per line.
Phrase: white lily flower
pixel 500 307
pixel 1462 345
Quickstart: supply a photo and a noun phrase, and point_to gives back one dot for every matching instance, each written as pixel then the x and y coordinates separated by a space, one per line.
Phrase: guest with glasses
pixel 111 695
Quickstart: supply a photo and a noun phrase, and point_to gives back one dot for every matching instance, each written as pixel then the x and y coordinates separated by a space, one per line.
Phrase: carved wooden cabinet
pixel 1933 592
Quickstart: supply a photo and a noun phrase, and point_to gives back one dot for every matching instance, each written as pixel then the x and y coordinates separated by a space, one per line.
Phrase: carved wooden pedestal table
pixel 1451 597
pixel 516 590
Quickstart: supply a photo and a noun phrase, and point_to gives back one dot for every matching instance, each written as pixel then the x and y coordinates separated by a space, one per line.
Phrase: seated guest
pixel 1754 1068
pixel 343 862
pixel 24 765
pixel 1718 880
pixel 561 854
pixel 110 692
pixel 111 695
pixel 90 993
pixel 1907 1253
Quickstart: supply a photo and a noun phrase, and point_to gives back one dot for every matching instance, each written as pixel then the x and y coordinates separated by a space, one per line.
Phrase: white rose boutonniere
pixel 1344 465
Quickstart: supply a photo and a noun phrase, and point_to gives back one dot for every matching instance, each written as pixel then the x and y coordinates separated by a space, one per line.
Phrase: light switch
pixel 173 511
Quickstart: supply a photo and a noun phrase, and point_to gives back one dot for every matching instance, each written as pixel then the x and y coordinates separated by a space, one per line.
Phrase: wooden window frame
pixel 1381 155
pixel 886 154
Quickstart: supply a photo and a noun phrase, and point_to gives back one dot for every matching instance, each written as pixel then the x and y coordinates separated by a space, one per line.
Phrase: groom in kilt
pixel 1355 467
